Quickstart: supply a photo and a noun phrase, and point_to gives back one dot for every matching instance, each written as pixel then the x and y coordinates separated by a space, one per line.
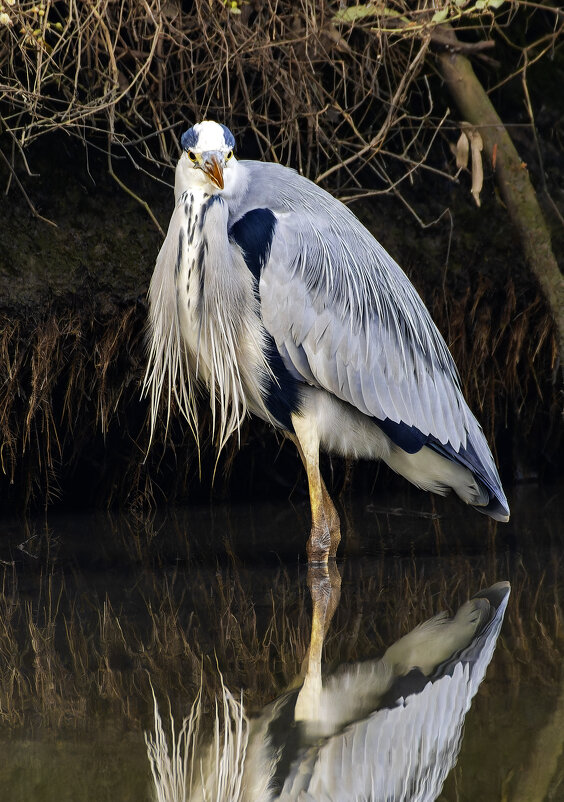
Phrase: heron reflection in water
pixel 387 729
pixel 273 296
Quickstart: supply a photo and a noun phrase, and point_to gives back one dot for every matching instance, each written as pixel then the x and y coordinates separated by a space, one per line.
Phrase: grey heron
pixel 271 294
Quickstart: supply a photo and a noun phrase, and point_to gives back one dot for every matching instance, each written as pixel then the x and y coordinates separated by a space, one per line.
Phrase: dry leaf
pixel 476 146
pixel 462 150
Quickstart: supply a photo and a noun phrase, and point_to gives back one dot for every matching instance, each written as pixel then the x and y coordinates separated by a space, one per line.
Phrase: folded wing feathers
pixel 324 261
pixel 365 333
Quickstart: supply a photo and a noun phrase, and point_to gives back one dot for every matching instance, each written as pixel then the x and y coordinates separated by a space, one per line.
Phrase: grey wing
pixel 345 318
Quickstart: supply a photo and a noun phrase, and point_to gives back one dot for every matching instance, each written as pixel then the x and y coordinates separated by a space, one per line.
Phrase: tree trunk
pixel 513 179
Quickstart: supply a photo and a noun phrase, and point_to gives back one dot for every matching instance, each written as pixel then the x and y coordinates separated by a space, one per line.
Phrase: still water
pixel 99 611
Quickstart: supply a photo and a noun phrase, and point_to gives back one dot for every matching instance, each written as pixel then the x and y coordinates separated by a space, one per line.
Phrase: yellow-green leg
pixel 325 525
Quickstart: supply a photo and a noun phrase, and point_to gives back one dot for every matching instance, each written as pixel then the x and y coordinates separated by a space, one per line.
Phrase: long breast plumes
pixel 204 322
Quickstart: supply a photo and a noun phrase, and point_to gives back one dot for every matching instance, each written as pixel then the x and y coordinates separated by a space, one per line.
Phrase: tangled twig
pixel 312 84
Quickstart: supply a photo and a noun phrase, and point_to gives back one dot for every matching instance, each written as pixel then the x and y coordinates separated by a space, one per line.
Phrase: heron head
pixel 207 150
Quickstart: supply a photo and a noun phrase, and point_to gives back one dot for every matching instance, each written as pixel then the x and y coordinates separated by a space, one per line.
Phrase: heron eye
pixel 191 155
pixel 229 155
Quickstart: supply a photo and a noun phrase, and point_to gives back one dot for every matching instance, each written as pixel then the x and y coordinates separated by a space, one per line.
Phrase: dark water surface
pixel 97 609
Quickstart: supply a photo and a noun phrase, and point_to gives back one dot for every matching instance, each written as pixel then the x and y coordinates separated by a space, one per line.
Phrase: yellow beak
pixel 213 168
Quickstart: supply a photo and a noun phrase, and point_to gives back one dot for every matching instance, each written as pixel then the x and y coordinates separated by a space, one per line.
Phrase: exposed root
pixel 73 425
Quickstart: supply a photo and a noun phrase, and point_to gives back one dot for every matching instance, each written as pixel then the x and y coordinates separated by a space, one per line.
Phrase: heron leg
pixel 325 525
pixel 324 583
pixel 333 520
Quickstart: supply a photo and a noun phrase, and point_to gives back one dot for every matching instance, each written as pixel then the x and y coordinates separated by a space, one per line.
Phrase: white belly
pixel 342 429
